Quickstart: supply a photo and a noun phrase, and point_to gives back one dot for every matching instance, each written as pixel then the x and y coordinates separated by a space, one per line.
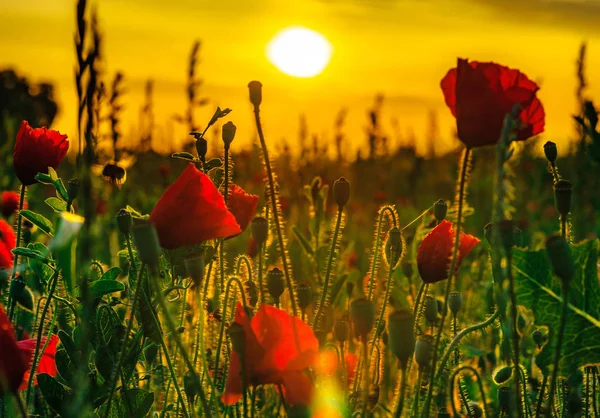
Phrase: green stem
pixel 557 350
pixel 388 290
pixel 376 245
pixel 332 255
pixel 180 324
pixel 20 405
pixel 18 244
pixel 594 396
pixel 540 400
pixel 253 402
pixel 116 372
pixel 243 259
pixel 344 371
pixel 451 274
pixel 587 392
pixel 415 407
pixel 515 335
pixel 36 353
pixel 479 385
pixel 563 226
pixel 261 292
pixel 275 209
pixel 365 394
pixel 400 402
pixel 461 389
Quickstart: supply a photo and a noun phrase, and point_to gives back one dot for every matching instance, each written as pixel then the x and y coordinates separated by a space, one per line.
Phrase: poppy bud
pixel 341 192
pixel 255 89
pixel 26 235
pixel 73 189
pixel 393 247
pixel 562 196
pixel 550 151
pixel 362 313
pixel 252 293
pixel 385 337
pixel 146 241
pixel 304 296
pixel 260 230
pixel 17 287
pixel 559 253
pixel 401 335
pixel 505 231
pixel 539 338
pixel 201 148
pixel 150 352
pixel 124 221
pixel 341 330
pixel 194 266
pixel 237 335
pixel 180 330
pixel 189 386
pixel 275 283
pixel 431 309
pixel 424 350
pixel 504 398
pixel 228 133
pixel 476 411
pixel 502 374
pixel 455 302
pixel 440 209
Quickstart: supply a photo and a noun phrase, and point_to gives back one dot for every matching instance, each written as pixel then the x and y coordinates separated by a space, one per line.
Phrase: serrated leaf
pixel 183 156
pixel 540 291
pixel 43 178
pixel 56 204
pixel 38 220
pixel 213 163
pixel 111 274
pixel 100 288
pixel 55 394
pixel 32 254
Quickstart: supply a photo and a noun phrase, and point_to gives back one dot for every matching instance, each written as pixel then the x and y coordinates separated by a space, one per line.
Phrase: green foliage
pixel 539 290
pixel 38 220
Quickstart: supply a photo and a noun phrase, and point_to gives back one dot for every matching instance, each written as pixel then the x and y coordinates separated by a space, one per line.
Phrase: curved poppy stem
pixel 275 209
pixel 11 302
pixel 451 273
pixel 475 373
pixel 391 212
pixel 38 342
pixel 388 291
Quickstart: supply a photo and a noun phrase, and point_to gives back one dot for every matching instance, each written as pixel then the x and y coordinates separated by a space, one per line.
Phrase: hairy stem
pixel 376 245
pixel 540 400
pixel 16 257
pixel 400 401
pixel 557 349
pixel 479 385
pixel 515 335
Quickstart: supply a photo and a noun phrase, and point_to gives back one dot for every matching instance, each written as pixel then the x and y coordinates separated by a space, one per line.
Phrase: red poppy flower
pixel 242 205
pixel 10 203
pixel 481 94
pixel 13 364
pixel 36 150
pixel 192 211
pixel 278 350
pixel 46 363
pixel 435 252
pixel 7 243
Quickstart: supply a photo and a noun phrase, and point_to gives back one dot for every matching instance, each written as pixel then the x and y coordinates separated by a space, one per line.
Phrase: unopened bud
pixel 341 192
pixel 393 247
pixel 201 148
pixel 539 338
pixel 228 133
pixel 561 258
pixel 255 89
pixel 180 330
pixel 4 276
pixel 260 230
pixel 562 196
pixel 424 350
pixel 146 240
pixel 275 283
pixel 189 386
pixel 431 309
pixel 440 209
pixel 341 330
pixel 17 287
pixel 551 151
pixel 26 235
pixel 455 302
pixel 194 266
pixel 476 411
pixel 362 314
pixel 304 296
pixel 124 221
pixel 401 335
pixel 237 335
pixel 73 189
pixel 502 374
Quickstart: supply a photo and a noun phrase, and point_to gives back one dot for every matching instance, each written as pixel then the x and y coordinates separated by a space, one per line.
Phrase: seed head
pixel 255 89
pixel 341 192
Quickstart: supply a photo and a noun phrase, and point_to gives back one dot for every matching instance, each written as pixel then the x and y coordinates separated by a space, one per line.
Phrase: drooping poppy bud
pixel 201 148
pixel 476 410
pixel 228 133
pixel 260 230
pixel 362 314
pixel 237 335
pixel 539 338
pixel 194 266
pixel 455 302
pixel 180 330
pixel 440 209
pixel 275 283
pixel 551 151
pixel 424 350
pixel 304 296
pixel 502 374
pixel 26 235
pixel 401 335
pixel 561 258
pixel 562 196
pixel 393 247
pixel 189 386
pixel 341 330
pixel 73 186
pixel 341 192
pixel 255 90
pixel 124 221
pixel 431 309
pixel 147 243
pixel 20 293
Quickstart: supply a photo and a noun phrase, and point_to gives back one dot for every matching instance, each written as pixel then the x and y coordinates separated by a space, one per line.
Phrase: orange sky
pixel 401 48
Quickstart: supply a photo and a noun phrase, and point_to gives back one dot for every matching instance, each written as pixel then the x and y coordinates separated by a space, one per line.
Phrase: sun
pixel 299 52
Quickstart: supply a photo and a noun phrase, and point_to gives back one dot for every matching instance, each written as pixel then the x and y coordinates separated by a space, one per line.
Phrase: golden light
pixel 299 52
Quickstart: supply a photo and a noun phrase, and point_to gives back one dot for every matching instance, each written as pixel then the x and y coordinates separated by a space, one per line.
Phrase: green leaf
pixel 100 288
pixel 111 274
pixel 56 204
pixel 105 361
pixel 64 365
pixel 304 242
pixel 43 178
pixel 107 321
pixel 540 291
pixel 148 314
pixel 69 345
pixel 133 212
pixel 214 163
pixel 139 400
pixel 52 174
pixel 183 156
pixel 38 220
pixel 31 254
pixel 61 191
pixel 55 394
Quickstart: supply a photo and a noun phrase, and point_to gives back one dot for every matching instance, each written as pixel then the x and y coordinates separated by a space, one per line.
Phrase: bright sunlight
pixel 299 52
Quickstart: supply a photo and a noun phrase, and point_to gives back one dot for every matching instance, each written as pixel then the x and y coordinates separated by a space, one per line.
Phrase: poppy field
pixel 230 281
